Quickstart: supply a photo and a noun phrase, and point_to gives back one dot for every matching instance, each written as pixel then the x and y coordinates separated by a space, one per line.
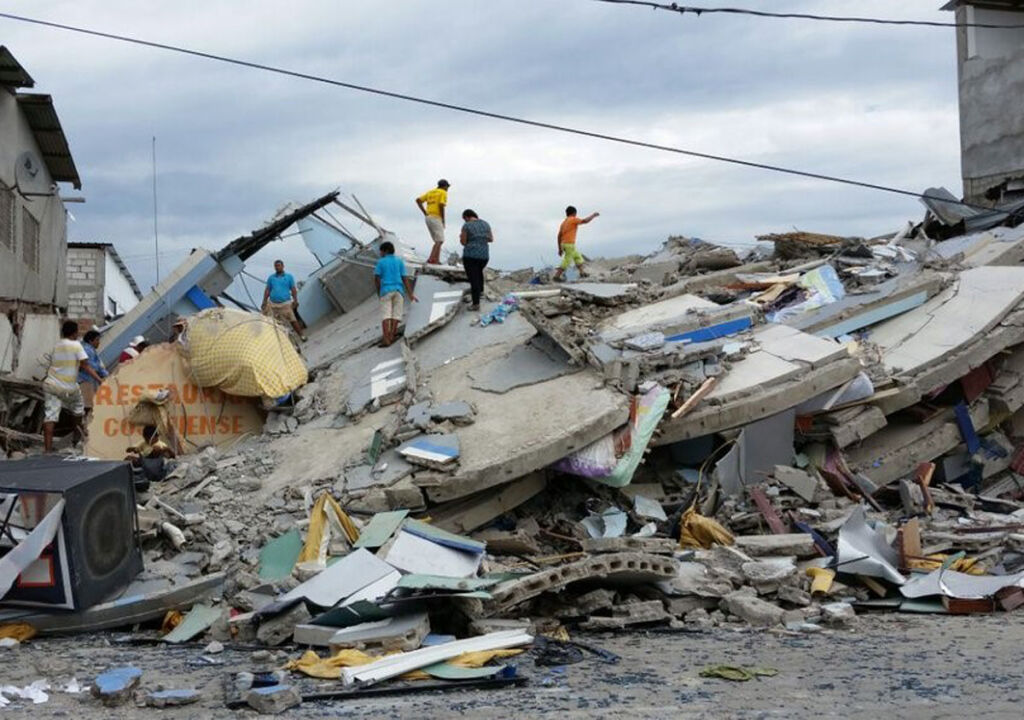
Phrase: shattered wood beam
pixel 706 387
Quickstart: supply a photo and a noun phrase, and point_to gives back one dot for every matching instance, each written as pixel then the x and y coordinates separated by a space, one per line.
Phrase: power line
pixel 481 113
pixel 698 11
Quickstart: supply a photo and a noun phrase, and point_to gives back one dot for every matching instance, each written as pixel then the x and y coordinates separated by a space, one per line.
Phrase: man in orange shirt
pixel 567 241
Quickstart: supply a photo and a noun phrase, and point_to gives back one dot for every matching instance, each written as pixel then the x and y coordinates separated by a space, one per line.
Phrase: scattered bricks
pixel 274 699
pixel 699 619
pixel 793 594
pixel 753 610
pixel 616 568
pixel 838 614
pixel 279 629
pixel 591 602
pixel 115 686
pixel 171 698
pixel 799 544
pixel 656 546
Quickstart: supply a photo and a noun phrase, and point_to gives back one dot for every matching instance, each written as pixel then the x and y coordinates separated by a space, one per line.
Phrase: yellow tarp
pixel 241 353
pixel 329 668
pixel 697 531
pixel 326 519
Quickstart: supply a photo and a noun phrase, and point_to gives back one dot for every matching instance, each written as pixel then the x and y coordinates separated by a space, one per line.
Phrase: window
pixel 30 239
pixel 6 217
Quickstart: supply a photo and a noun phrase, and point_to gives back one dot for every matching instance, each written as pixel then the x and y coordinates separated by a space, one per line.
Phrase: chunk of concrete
pixel 115 686
pixel 279 629
pixel 799 544
pixel 770 570
pixel 460 516
pixel 838 614
pixel 656 546
pixel 383 384
pixel 274 699
pixel 800 482
pixel 753 610
pixel 402 632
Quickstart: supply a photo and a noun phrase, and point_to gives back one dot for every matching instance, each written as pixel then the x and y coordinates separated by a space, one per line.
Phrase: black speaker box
pixel 96 552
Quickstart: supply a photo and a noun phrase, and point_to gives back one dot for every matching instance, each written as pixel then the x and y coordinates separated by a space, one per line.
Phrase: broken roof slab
pixel 602 293
pixel 998 246
pixel 538 360
pixel 461 337
pixel 378 374
pixel 857 311
pixel 343 335
pixel 522 430
pixel 788 368
pixel 673 316
pixel 439 302
pixel 954 332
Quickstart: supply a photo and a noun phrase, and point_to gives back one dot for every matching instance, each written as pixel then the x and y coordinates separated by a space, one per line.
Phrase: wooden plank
pixel 691 402
pixel 757 494
pixel 909 542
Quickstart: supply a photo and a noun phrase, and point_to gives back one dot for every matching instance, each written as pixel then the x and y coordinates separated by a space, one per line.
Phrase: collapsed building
pixel 690 438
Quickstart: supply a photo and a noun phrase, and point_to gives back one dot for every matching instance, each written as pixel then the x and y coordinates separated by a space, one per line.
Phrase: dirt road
pixel 891 666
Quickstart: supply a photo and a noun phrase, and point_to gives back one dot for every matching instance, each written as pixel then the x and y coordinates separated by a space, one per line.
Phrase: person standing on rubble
pixel 432 204
pixel 567 242
pixel 281 298
pixel 475 237
pixel 91 343
pixel 392 280
pixel 60 388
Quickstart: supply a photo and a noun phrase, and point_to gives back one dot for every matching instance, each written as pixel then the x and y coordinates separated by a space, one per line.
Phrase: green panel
pixel 380 529
pixel 277 558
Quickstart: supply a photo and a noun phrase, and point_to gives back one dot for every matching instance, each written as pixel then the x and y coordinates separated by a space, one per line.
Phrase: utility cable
pixel 486 113
pixel 684 9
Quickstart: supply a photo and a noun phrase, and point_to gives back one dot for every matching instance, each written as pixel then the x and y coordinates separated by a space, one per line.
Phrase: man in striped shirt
pixel 61 390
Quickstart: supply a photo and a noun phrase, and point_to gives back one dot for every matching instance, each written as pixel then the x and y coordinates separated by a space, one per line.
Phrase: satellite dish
pixel 29 175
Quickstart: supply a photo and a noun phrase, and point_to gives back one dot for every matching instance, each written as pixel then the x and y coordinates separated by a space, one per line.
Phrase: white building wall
pixel 17 280
pixel 117 288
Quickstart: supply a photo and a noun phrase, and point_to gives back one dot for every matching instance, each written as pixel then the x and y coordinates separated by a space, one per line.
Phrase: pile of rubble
pixel 684 440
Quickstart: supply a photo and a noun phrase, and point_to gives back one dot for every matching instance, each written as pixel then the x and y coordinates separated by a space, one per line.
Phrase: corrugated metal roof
pixel 12 74
pixel 42 118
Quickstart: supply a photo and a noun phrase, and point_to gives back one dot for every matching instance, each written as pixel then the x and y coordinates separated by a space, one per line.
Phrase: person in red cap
pixel 432 204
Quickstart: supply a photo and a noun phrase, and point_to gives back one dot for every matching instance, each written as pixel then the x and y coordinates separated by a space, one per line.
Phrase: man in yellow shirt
pixel 432 204
pixel 60 388
pixel 567 241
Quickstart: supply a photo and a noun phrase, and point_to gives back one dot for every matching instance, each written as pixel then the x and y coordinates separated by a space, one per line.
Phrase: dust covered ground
pixel 890 666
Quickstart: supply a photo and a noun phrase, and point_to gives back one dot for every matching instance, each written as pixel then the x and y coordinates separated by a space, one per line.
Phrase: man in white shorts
pixel 60 388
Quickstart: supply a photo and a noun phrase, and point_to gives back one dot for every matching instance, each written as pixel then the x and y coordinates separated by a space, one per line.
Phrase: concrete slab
pixel 522 430
pixel 759 385
pixel 857 311
pixel 791 344
pixel 439 302
pixel 658 314
pixel 536 361
pixel 460 338
pixel 343 335
pixel 897 449
pixel 975 303
pixel 7 345
pixel 602 293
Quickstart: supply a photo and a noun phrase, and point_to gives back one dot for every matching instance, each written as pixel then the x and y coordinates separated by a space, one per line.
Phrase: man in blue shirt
pixel 392 281
pixel 88 383
pixel 281 298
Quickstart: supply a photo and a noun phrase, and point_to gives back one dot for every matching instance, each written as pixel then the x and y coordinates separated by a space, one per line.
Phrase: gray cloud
pixel 872 103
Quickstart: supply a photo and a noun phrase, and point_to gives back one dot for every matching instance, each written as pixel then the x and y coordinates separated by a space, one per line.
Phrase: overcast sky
pixel 868 102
